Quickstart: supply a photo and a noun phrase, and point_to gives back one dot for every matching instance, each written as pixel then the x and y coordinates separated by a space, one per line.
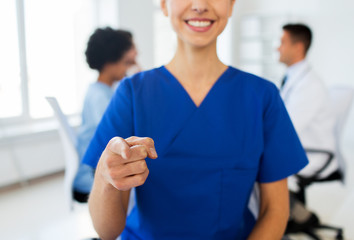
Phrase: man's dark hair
pixel 299 33
pixel 107 45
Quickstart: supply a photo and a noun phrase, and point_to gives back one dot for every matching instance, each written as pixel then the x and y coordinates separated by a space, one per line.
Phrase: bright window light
pixel 10 81
pixel 56 38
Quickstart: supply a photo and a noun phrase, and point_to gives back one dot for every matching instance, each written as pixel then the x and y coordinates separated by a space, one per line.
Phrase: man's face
pixel 288 50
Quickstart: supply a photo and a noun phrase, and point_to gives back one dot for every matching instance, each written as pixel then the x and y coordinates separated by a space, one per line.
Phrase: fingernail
pixel 124 155
pixel 153 152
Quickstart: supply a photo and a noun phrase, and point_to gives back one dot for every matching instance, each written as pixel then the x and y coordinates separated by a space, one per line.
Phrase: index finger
pixel 145 141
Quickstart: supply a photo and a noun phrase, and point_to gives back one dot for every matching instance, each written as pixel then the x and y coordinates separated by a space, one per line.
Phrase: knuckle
pixel 141 152
pixel 149 141
pixel 117 174
pixel 111 141
pixel 131 138
pixel 109 163
pixel 128 170
pixel 141 179
pixel 112 161
pixel 142 165
pixel 120 185
pixel 114 142
pixel 112 174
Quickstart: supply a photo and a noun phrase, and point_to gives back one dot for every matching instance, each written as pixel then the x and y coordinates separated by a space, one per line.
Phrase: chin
pixel 119 78
pixel 201 43
pixel 282 61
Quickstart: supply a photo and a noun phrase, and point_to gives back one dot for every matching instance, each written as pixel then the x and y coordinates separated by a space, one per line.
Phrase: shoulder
pixel 144 77
pixel 307 76
pixel 140 84
pixel 315 80
pixel 98 92
pixel 99 88
pixel 312 83
pixel 252 83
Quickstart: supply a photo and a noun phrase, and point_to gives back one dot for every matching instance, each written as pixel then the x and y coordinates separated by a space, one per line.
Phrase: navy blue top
pixel 209 156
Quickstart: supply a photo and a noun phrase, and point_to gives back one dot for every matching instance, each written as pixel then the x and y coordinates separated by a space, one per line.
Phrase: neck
pixel 104 78
pixel 296 60
pixel 196 64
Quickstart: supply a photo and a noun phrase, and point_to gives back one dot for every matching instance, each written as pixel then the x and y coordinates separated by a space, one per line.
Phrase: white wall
pixel 107 13
pixel 137 17
pixel 30 156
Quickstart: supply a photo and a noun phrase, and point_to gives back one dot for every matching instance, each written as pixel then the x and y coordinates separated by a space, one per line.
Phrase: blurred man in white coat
pixel 307 99
pixel 308 103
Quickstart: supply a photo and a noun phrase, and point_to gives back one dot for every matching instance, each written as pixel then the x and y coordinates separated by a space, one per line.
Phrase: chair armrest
pixel 304 181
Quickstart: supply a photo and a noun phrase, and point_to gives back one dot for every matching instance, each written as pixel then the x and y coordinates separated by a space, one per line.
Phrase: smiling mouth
pixel 199 23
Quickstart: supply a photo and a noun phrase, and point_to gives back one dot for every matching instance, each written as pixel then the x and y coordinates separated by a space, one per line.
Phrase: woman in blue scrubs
pixel 193 137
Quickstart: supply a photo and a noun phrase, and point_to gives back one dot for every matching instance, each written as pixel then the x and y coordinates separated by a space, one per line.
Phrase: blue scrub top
pixel 209 156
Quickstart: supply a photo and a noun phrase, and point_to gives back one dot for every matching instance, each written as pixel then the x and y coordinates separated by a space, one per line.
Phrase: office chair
pixel 341 98
pixel 69 139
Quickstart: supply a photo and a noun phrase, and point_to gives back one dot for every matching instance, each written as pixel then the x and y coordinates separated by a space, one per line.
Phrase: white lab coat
pixel 308 103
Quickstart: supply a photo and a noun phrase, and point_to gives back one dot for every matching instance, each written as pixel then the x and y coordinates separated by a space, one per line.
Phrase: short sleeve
pixel 283 153
pixel 116 121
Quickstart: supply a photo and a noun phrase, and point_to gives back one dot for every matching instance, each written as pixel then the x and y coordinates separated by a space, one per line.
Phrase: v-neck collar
pixel 170 76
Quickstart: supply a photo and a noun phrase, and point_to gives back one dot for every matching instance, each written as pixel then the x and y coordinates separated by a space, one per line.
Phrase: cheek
pixel 284 48
pixel 222 9
pixel 118 70
pixel 223 14
pixel 121 70
pixel 174 18
pixel 175 7
pixel 176 10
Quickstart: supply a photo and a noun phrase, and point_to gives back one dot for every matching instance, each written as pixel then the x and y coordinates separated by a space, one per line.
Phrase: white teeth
pixel 199 23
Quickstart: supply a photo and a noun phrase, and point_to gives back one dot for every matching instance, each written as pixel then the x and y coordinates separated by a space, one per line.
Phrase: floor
pixel 37 211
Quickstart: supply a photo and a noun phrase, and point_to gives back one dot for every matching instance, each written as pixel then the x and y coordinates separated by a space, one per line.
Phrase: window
pixel 43 54
pixel 10 81
pixel 55 42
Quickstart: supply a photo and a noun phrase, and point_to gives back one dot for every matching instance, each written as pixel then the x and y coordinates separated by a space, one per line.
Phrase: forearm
pixel 274 211
pixel 107 209
pixel 270 225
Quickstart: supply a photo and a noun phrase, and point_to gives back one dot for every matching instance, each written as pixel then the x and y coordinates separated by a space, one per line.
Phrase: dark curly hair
pixel 107 45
